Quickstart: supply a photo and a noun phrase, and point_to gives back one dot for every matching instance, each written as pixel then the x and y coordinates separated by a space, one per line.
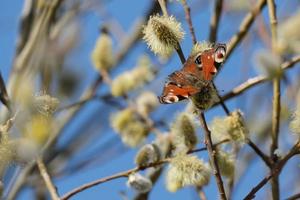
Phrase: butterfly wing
pixel 195 74
pixel 177 88
pixel 208 64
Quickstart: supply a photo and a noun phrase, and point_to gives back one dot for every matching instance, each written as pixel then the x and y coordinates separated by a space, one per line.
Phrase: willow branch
pixel 125 174
pixel 263 156
pixel 276 100
pixel 214 22
pixel 257 80
pixel 188 18
pixel 294 197
pixel 213 157
pixel 47 179
pixel 275 171
pixel 124 48
pixel 245 26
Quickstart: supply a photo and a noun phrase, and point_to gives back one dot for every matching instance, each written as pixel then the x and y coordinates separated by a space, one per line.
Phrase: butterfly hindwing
pixel 177 88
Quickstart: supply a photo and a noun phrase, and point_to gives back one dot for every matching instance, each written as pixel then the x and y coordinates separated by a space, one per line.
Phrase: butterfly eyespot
pixel 198 62
pixel 171 99
pixel 220 54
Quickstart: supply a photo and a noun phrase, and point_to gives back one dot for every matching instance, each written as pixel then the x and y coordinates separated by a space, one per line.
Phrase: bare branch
pixel 188 18
pixel 214 22
pixel 213 157
pixel 257 80
pixel 123 174
pixel 276 101
pixel 47 179
pixel 245 26
pixel 275 171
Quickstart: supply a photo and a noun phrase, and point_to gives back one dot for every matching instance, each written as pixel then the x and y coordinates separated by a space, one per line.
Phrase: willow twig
pixel 245 26
pixel 188 18
pixel 294 197
pixel 275 171
pixel 47 179
pixel 214 22
pixel 276 100
pixel 123 174
pixel 212 156
pixel 257 80
pixel 263 156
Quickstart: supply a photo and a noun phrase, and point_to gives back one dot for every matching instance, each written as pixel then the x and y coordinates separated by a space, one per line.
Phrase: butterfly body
pixel 196 74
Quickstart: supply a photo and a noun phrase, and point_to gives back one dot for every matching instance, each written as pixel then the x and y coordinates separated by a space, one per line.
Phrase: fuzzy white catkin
pixel 231 127
pixel 163 34
pixel 129 126
pixel 295 122
pixel 102 55
pixel 149 153
pixel 133 79
pixel 146 102
pixel 184 133
pixel 186 170
pixel 268 64
pixel 139 183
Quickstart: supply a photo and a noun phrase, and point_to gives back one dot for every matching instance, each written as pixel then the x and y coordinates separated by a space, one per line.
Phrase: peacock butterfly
pixel 196 73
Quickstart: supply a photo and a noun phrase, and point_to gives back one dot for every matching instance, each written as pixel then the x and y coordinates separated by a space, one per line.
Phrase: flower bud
pixel 139 183
pixel 148 154
pixel 102 55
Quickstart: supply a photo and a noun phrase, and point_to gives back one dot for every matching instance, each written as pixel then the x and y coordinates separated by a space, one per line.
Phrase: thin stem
pixel 47 179
pixel 276 101
pixel 201 193
pixel 294 197
pixel 252 193
pixel 163 7
pixel 188 18
pixel 263 156
pixel 214 22
pixel 225 108
pixel 213 157
pixel 180 53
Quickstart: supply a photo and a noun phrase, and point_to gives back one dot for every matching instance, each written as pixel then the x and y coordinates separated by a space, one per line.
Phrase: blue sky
pixel 236 70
